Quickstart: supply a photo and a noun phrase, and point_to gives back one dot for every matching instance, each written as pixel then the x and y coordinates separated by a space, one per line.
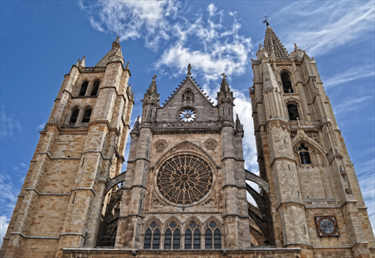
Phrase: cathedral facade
pixel 184 193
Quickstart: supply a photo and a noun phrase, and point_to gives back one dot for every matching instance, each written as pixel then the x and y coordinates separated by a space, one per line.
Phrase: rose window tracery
pixel 187 115
pixel 184 179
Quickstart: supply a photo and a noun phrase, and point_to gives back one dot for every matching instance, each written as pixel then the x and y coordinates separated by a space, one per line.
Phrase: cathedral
pixel 184 192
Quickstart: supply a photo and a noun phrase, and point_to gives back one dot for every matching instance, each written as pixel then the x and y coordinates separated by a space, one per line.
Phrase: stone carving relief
pixel 210 144
pixel 160 145
pixel 156 202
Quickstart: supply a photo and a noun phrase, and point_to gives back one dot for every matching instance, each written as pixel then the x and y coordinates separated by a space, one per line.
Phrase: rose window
pixel 184 179
pixel 187 115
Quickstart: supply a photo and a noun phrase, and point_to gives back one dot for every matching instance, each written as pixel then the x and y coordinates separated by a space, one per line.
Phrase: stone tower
pixel 315 201
pixel 80 148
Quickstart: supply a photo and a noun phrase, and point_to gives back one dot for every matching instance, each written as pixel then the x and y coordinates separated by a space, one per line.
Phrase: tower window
pixel 86 116
pixel 74 117
pixel 293 112
pixel 304 154
pixel 95 88
pixel 82 92
pixel 287 85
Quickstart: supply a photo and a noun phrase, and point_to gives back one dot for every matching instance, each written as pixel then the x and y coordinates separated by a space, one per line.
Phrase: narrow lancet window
pixel 304 154
pixel 188 239
pixel 168 239
pixel 197 239
pixel 82 92
pixel 208 239
pixel 74 117
pixel 176 239
pixel 86 116
pixel 156 239
pixel 217 239
pixel 148 236
pixel 95 88
pixel 287 85
pixel 293 112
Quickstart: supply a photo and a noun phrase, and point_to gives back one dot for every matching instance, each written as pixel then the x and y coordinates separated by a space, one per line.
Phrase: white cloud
pixel 211 9
pixel 41 126
pixel 221 49
pixel 4 222
pixel 350 105
pixel 327 25
pixel 352 74
pixel 9 125
pixel 133 19
pixel 8 196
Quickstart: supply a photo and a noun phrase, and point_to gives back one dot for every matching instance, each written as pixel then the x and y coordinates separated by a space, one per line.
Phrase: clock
pixel 327 226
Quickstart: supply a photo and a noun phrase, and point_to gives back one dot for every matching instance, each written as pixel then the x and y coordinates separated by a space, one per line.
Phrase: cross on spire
pixel 189 70
pixel 154 77
pixel 224 75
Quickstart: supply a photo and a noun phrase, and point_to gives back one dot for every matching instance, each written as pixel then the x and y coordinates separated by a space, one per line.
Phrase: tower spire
pixel 273 45
pixel 224 87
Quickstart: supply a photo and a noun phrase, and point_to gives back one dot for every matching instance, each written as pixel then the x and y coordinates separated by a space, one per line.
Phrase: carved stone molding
pixel 278 124
pixel 160 145
pixel 186 127
pixel 210 144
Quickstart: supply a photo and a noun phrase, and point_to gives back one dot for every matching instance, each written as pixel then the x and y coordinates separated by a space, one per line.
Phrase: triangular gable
pixel 105 60
pixel 195 85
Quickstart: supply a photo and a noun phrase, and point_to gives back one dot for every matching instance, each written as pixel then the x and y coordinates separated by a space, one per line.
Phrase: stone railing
pixel 305 123
pixel 186 127
pixel 92 69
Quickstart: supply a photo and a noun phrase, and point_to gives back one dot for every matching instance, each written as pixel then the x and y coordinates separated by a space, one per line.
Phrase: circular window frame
pixel 187 107
pixel 204 198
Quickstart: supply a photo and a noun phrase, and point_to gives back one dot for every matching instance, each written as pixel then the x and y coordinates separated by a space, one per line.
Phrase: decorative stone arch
pixel 218 225
pixel 301 137
pixel 200 223
pixel 298 104
pixel 170 219
pixel 186 145
pixel 288 70
pixel 167 225
pixel 258 180
pixel 147 225
pixel 70 112
pixel 114 181
pixel 78 85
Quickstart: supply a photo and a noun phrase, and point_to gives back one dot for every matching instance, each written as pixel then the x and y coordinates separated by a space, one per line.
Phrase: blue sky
pixel 41 40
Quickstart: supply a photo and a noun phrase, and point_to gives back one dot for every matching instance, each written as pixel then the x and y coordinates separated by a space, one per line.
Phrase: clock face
pixel 327 226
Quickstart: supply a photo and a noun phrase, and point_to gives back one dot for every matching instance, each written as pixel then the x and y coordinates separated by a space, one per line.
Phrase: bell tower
pixel 315 199
pixel 80 149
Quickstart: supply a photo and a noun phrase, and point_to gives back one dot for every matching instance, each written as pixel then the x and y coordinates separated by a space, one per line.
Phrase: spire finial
pixel 265 21
pixel 154 77
pixel 189 70
pixel 224 76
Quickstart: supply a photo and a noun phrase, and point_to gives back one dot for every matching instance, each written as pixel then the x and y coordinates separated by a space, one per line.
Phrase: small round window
pixel 187 115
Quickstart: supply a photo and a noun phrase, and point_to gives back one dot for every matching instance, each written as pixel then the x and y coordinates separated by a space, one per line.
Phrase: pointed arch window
pixel 212 233
pixel 74 116
pixel 287 84
pixel 172 236
pixel 82 92
pixel 304 154
pixel 293 112
pixel 95 88
pixel 192 236
pixel 152 236
pixel 86 116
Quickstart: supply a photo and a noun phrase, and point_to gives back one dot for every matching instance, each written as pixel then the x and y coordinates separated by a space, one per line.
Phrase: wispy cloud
pixel 352 74
pixel 4 222
pixel 325 25
pixel 220 48
pixel 8 195
pixel 9 125
pixel 133 19
pixel 350 105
